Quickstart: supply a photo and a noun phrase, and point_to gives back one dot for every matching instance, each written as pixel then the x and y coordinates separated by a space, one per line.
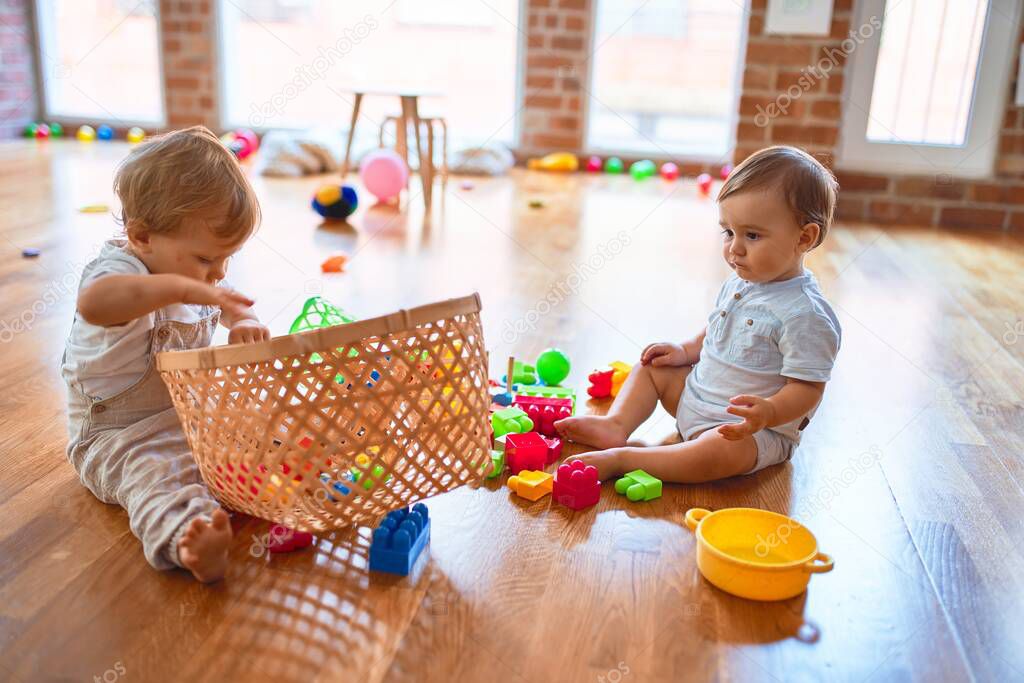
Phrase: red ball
pixel 594 164
pixel 42 131
pixel 669 171
pixel 725 171
pixel 704 183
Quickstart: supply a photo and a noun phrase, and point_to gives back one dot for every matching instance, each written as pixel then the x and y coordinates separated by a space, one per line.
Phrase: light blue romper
pixel 129 448
pixel 758 335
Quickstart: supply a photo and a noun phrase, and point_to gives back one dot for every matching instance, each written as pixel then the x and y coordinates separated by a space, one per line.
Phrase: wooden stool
pixel 429 122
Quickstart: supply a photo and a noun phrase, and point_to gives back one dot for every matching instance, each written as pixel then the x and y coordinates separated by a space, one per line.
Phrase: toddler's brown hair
pixel 809 188
pixel 181 174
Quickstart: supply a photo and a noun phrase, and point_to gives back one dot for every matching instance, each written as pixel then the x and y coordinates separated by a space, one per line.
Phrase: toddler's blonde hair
pixel 182 174
pixel 809 188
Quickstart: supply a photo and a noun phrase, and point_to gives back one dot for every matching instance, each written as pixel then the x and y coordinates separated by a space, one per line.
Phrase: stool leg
pixel 425 164
pixel 351 134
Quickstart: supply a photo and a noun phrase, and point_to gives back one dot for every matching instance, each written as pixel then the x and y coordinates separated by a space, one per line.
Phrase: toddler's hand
pixel 248 331
pixel 756 412
pixel 664 354
pixel 197 292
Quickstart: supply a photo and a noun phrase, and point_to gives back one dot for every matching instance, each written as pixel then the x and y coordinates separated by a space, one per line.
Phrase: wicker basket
pixel 337 426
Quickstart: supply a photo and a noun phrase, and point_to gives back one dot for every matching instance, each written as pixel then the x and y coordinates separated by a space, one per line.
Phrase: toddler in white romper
pixel 156 291
pixel 743 389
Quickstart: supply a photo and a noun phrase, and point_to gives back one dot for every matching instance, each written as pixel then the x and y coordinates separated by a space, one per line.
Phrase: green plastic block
pixel 510 420
pixel 498 458
pixel 522 374
pixel 639 486
pixel 549 392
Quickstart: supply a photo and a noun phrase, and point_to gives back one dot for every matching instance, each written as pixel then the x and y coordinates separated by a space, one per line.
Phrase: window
pixel 664 77
pixel 100 60
pixel 926 90
pixel 294 63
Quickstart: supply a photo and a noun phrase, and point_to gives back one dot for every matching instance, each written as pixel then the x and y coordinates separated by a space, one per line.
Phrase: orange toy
pixel 335 263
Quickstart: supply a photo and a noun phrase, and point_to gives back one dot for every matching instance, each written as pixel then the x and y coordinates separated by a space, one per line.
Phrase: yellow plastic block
pixel 621 372
pixel 531 484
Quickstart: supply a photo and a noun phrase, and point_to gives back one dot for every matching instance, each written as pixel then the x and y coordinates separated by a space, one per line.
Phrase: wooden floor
pixel 911 475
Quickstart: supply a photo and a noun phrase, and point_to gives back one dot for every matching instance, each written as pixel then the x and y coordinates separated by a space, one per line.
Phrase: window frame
pixel 734 113
pixel 42 78
pixel 977 156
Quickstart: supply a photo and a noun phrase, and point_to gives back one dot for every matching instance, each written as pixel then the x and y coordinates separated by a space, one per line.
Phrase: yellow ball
pixel 86 133
pixel 136 134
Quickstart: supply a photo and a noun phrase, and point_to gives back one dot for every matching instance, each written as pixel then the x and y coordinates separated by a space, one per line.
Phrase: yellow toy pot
pixel 755 554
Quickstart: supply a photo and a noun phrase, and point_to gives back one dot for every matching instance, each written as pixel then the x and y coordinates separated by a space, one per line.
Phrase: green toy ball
pixel 30 130
pixel 56 130
pixel 613 165
pixel 552 366
pixel 642 169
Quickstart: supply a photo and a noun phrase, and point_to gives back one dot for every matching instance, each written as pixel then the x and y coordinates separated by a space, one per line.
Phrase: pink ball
pixel 594 164
pixel 252 142
pixel 669 171
pixel 384 174
pixel 726 170
pixel 704 183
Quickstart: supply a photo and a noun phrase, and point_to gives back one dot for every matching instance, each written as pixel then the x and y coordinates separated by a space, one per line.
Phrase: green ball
pixel 30 130
pixel 635 492
pixel 613 165
pixel 552 366
pixel 56 130
pixel 642 169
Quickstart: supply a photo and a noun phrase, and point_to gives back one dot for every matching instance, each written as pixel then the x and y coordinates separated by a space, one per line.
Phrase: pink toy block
pixel 576 485
pixel 554 449
pixel 544 411
pixel 526 451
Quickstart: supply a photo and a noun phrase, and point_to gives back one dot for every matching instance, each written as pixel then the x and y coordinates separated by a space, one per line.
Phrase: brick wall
pixel 812 121
pixel 18 103
pixel 190 62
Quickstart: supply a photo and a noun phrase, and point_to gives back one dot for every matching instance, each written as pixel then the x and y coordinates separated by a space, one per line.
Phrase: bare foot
pixel 203 548
pixel 594 430
pixel 607 462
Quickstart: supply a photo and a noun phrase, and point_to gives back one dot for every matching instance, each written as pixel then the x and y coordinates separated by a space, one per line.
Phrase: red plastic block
pixel 600 383
pixel 284 540
pixel 554 449
pixel 544 411
pixel 526 451
pixel 576 485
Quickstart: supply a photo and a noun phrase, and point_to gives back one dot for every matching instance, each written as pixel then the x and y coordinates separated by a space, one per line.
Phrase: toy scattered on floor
pixel 56 130
pixel 242 142
pixel 93 208
pixel 594 164
pixel 135 135
pixel 613 165
pixel 86 134
pixel 30 130
pixel 543 411
pixel 104 132
pixel 335 263
pixel 336 202
pixel 527 451
pixel 536 204
pixel 564 162
pixel 554 449
pixel 732 552
pixel 704 184
pixel 384 174
pixel 553 366
pixel 522 374
pixel 30 252
pixel 608 381
pixel 510 420
pixel 576 485
pixel 643 169
pixel 669 171
pixel 281 539
pixel 497 462
pixel 638 486
pixel 505 399
pixel 531 484
pixel 42 131
pixel 550 392
pixel 724 172
pixel 399 540
pixel 466 185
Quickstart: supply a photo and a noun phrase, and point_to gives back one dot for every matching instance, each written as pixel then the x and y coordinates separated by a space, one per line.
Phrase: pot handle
pixel 693 517
pixel 820 564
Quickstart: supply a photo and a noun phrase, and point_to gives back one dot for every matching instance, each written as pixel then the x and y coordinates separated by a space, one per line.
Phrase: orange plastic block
pixel 335 263
pixel 531 484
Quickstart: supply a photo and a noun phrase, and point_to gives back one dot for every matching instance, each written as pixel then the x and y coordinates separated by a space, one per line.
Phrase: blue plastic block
pixel 399 540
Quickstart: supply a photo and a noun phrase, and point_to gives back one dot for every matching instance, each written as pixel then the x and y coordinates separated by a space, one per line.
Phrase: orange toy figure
pixel 335 263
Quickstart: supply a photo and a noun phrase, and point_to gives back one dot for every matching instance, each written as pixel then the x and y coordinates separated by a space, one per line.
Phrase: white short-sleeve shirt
pixel 758 335
pixel 104 361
